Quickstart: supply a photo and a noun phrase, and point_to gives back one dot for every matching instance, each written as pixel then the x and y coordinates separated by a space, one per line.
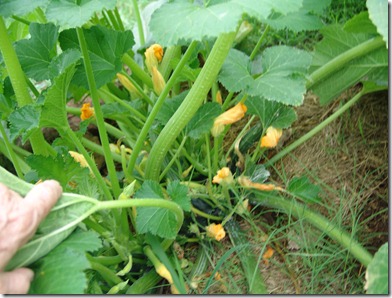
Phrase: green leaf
pixel 378 13
pixel 169 108
pixel 155 220
pixel 360 23
pixel 54 112
pixel 19 7
pixel 62 168
pixel 303 19
pixel 371 66
pixel 179 194
pixel 257 173
pixel 179 21
pixel 377 280
pixel 24 121
pixel 105 56
pixel 35 54
pixel 62 270
pixel 302 188
pixel 271 113
pixel 7 106
pixel 70 13
pixel 202 122
pixel 237 63
pixel 282 80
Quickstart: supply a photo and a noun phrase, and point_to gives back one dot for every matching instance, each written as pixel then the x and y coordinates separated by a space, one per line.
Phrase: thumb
pixel 16 281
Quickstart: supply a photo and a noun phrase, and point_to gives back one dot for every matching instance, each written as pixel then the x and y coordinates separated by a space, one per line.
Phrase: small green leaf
pixel 19 7
pixel 7 106
pixel 62 270
pixel 70 13
pixel 105 56
pixel 256 172
pixel 378 13
pixel 377 280
pixel 302 188
pixel 202 122
pixel 360 23
pixel 35 54
pixel 271 113
pixel 24 121
pixel 179 194
pixel 62 168
pixel 155 220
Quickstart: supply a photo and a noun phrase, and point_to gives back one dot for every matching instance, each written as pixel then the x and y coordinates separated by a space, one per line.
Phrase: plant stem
pixel 258 45
pixel 13 156
pixel 139 22
pixel 300 211
pixel 341 60
pixel 98 113
pixel 137 70
pixel 166 65
pixel 164 172
pixel 18 80
pixel 190 105
pixel 161 99
pixel 315 130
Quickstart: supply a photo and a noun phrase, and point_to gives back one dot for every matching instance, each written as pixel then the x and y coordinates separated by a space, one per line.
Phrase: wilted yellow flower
pixel 268 255
pixel 232 115
pixel 158 81
pixel 128 85
pixel 218 97
pixel 79 158
pixel 87 111
pixel 153 56
pixel 246 182
pixel 271 138
pixel 216 231
pixel 223 176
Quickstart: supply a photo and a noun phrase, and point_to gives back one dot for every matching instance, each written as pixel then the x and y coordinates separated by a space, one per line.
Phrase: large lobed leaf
pixel 105 56
pixel 180 21
pixel 62 270
pixel 282 78
pixel 19 7
pixel 378 13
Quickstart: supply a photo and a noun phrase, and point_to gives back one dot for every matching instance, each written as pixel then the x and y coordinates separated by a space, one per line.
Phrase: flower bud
pixel 158 81
pixel 271 138
pixel 153 56
pixel 128 85
pixel 232 115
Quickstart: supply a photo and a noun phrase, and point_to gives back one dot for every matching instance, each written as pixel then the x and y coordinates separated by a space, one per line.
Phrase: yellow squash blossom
pixel 80 159
pixel 87 111
pixel 153 56
pixel 158 81
pixel 216 231
pixel 271 138
pixel 246 182
pixel 223 176
pixel 232 115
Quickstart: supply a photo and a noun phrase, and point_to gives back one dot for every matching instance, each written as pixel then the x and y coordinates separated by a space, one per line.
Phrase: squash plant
pixel 156 103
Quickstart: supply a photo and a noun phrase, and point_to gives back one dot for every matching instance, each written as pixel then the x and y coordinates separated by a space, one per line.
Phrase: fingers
pixel 16 282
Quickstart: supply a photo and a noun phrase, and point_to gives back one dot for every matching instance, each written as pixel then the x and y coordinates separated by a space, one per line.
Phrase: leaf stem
pixel 300 211
pixel 341 60
pixel 137 70
pixel 164 172
pixel 161 99
pixel 139 23
pixel 258 45
pixel 190 105
pixel 315 130
pixel 13 156
pixel 17 77
pixel 98 113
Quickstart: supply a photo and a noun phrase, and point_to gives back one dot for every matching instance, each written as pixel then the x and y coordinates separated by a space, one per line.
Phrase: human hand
pixel 19 219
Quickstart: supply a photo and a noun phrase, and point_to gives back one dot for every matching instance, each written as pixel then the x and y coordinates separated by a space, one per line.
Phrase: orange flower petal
pixel 271 138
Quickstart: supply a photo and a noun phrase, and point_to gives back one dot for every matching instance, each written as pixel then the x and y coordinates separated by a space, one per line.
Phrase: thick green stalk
pixel 300 211
pixel 98 113
pixel 341 60
pixel 17 77
pixel 190 105
pixel 161 99
pixel 315 130
pixel 139 23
